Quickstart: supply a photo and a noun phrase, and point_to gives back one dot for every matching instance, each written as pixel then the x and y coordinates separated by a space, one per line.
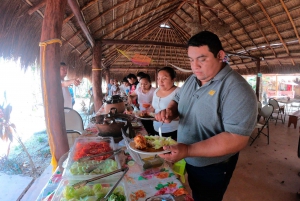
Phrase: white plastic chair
pixel 73 120
pixel 266 113
pixel 72 135
pixel 277 110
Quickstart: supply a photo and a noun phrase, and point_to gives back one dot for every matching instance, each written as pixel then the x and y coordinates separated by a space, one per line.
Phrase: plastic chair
pixel 179 169
pixel 73 120
pixel 266 112
pixel 72 135
pixel 259 106
pixel 278 110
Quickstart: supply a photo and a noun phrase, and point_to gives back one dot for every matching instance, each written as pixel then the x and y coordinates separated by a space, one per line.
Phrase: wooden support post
pixel 258 79
pixel 97 76
pixel 107 78
pixel 50 77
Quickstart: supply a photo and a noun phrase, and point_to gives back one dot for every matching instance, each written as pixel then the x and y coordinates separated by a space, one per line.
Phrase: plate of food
pixel 150 145
pixel 145 115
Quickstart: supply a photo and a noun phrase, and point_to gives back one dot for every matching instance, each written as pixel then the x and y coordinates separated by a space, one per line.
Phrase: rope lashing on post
pixel 43 53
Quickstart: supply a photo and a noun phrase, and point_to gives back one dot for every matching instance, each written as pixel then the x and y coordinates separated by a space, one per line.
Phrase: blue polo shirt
pixel 227 103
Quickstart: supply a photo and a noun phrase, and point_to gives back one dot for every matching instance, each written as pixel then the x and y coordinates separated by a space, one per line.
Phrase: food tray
pixel 106 183
pixel 67 172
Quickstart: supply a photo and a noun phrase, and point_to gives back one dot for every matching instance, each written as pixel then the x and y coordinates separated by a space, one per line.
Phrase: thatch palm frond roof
pixel 268 30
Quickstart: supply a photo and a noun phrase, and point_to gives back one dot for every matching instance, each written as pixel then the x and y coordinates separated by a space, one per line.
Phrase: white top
pixel 67 97
pixel 159 104
pixel 113 89
pixel 123 88
pixel 144 98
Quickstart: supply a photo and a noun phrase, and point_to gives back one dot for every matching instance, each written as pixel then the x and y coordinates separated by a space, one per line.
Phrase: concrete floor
pixel 268 172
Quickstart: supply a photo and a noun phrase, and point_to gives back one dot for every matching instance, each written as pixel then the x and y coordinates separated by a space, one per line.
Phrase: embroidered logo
pixel 211 92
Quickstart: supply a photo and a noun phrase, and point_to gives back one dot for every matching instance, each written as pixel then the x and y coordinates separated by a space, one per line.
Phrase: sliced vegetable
pixel 91 193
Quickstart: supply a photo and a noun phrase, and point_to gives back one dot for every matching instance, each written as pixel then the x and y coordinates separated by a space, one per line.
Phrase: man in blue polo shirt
pixel 217 109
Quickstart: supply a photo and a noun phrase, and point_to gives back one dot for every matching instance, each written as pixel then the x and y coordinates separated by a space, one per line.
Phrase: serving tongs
pixel 86 158
pixel 84 182
pixel 116 184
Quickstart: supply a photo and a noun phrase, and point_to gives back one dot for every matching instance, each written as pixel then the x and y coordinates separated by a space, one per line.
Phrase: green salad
pixel 79 168
pixel 92 193
pixel 158 142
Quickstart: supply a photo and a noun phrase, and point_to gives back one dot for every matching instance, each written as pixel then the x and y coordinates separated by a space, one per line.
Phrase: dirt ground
pixel 18 162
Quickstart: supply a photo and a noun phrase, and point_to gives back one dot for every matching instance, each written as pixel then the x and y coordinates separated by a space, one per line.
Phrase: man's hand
pixel 178 152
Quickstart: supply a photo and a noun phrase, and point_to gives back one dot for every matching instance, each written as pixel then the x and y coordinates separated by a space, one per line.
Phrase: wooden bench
pixel 293 118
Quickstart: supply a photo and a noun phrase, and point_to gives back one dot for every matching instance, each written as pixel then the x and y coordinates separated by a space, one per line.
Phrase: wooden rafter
pixel 77 12
pixel 39 5
pixel 291 19
pixel 275 28
pixel 259 27
pixel 154 24
pixel 178 28
pixel 161 18
pixel 238 21
pixel 144 15
pixel 67 19
pixel 207 7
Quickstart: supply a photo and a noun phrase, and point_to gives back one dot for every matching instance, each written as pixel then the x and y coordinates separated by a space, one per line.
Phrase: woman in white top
pixel 144 95
pixel 162 97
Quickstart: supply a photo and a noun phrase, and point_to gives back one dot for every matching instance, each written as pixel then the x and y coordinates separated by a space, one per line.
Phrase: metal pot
pixel 110 128
pixel 115 102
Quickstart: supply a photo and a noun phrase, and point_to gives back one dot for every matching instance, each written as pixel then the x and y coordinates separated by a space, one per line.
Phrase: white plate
pixel 137 114
pixel 132 147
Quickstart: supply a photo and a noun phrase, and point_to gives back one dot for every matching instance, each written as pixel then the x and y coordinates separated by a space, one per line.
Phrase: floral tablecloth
pixel 140 184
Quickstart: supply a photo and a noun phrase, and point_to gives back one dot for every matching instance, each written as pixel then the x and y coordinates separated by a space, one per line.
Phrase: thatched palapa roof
pixel 263 29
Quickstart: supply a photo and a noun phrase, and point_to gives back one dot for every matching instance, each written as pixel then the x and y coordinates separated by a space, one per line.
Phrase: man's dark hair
pixel 206 38
pixel 125 80
pixel 131 76
pixel 146 76
pixel 140 74
pixel 63 64
pixel 170 71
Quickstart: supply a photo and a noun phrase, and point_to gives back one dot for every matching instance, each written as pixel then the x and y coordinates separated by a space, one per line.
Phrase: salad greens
pixel 92 193
pixel 158 142
pixel 78 168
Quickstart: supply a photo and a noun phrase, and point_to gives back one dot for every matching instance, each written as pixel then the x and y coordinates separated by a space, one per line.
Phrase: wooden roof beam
pixel 39 5
pixel 141 16
pixel 139 42
pixel 151 28
pixel 238 21
pixel 291 19
pixel 139 35
pixel 259 27
pixel 77 12
pixel 179 29
pixel 275 28
pixel 67 19
pixel 154 25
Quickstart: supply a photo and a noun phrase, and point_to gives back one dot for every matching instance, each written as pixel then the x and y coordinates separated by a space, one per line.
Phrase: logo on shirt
pixel 211 92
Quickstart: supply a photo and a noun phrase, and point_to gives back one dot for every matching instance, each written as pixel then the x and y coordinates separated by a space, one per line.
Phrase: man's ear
pixel 221 55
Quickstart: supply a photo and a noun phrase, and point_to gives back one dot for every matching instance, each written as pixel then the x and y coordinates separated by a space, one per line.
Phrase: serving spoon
pixel 159 129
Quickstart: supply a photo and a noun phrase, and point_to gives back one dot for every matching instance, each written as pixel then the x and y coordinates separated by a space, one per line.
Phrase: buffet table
pixel 140 184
